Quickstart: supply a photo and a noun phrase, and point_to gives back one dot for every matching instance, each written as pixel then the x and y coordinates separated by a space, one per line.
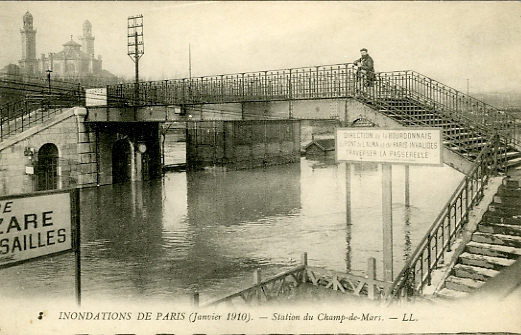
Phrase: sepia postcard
pixel 260 167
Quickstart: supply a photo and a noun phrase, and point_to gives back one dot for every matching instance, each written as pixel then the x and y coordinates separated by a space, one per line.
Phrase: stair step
pixel 421 114
pixel 509 191
pixel 507 201
pixel 471 144
pixel 468 146
pixel 489 262
pixel 462 284
pixel 492 218
pixel 505 210
pixel 513 154
pixel 492 250
pixel 511 183
pixel 456 131
pixel 497 239
pixel 446 125
pixel 448 294
pixel 458 137
pixel 473 272
pixel 514 162
pixel 500 228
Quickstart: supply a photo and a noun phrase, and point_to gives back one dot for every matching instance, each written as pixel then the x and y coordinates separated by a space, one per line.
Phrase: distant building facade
pixel 75 62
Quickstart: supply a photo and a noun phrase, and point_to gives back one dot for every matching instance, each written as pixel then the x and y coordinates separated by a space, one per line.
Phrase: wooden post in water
pixel 348 194
pixel 407 193
pixel 371 277
pixel 75 195
pixel 257 280
pixel 195 298
pixel 387 221
pixel 304 261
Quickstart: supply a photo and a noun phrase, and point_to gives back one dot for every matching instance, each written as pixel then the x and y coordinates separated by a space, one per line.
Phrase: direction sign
pixel 409 146
pixel 96 97
pixel 35 225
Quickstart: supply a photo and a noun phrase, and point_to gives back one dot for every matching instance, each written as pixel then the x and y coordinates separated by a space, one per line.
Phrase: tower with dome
pixel 75 62
pixel 28 63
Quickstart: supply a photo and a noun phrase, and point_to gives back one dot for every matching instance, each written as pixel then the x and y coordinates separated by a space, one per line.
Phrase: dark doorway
pixel 121 161
pixel 47 168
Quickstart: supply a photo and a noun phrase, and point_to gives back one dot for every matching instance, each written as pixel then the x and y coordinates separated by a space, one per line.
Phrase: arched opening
pixel 363 122
pixel 121 161
pixel 47 168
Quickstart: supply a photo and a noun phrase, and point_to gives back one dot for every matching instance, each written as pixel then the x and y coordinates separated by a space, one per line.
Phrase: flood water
pixel 209 230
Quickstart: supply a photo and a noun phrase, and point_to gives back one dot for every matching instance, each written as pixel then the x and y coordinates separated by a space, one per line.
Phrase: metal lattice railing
pixel 34 100
pixel 284 285
pixel 439 239
pixel 457 105
pixel 322 82
pixel 329 81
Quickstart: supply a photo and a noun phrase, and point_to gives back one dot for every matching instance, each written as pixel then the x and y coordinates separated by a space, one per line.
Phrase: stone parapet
pixel 75 143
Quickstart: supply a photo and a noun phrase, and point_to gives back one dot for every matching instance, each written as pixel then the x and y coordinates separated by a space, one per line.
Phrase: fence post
pixel 256 281
pixel 371 277
pixel 496 149
pixel 304 261
pixel 195 298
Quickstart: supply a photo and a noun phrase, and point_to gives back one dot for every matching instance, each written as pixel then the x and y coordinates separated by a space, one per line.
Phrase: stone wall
pixel 85 152
pixel 76 161
pixel 300 109
pixel 242 144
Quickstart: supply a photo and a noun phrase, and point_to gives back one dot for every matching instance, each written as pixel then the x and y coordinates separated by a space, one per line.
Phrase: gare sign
pixel 409 146
pixel 36 225
pixel 96 97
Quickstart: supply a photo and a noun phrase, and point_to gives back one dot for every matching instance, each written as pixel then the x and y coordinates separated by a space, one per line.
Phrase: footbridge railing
pixel 457 105
pixel 318 82
pixel 18 88
pixel 33 100
pixel 439 239
pixel 18 116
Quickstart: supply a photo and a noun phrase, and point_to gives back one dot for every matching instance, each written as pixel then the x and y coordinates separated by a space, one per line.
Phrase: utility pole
pixel 189 72
pixel 135 46
pixel 189 62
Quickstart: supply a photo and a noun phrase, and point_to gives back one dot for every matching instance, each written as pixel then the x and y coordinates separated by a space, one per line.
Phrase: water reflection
pixel 243 196
pixel 159 239
pixel 407 250
pixel 128 217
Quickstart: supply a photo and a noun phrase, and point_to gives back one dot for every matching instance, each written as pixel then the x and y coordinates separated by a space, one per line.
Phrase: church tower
pixel 28 63
pixel 87 39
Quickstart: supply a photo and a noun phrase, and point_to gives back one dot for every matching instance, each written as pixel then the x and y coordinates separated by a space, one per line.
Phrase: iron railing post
pixel 495 155
pixel 242 88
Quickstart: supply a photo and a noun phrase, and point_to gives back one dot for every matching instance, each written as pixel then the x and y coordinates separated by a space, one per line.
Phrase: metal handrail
pixel 282 284
pixel 23 85
pixel 456 104
pixel 319 82
pixel 263 288
pixel 21 115
pixel 325 81
pixel 394 100
pixel 417 271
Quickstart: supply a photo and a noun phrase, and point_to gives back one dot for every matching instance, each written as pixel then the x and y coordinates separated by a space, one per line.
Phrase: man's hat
pixel 364 49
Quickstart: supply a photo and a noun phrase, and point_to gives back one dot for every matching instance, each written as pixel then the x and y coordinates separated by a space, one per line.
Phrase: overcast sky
pixel 447 41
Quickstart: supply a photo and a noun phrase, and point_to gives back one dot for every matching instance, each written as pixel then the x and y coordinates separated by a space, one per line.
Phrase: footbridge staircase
pixel 28 101
pixel 485 136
